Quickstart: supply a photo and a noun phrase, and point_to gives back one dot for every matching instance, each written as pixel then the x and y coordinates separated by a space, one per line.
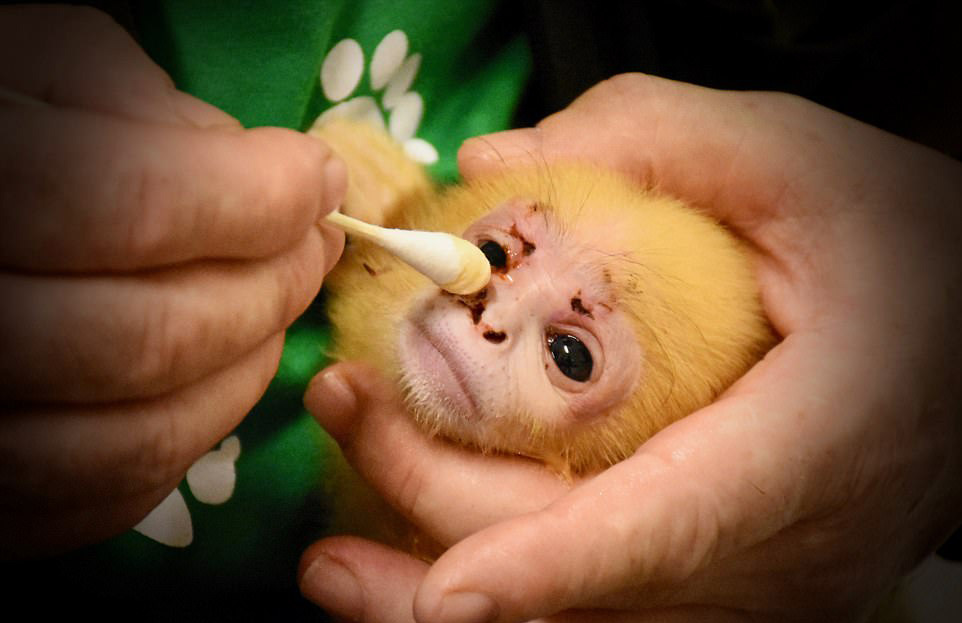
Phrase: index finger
pixel 84 191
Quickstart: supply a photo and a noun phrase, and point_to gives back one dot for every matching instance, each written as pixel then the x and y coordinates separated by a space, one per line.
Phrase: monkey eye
pixel 495 254
pixel 571 356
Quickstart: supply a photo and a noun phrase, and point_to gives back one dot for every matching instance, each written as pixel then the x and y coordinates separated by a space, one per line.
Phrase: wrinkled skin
pixel 803 493
pixel 152 253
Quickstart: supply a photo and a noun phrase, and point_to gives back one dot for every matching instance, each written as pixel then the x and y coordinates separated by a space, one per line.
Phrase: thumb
pixel 643 533
pixel 574 554
pixel 485 155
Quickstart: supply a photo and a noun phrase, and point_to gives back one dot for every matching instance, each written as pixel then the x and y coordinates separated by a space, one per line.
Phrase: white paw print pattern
pixel 211 480
pixel 392 73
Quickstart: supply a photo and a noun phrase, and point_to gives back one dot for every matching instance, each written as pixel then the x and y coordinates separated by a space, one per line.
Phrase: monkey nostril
pixel 495 337
pixel 474 303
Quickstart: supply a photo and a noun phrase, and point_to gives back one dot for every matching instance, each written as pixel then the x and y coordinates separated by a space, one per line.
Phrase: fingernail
pixel 479 152
pixel 476 148
pixel 330 584
pixel 337 390
pixel 490 153
pixel 467 608
pixel 332 401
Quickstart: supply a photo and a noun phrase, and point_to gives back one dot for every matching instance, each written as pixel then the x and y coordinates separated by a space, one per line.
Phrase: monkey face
pixel 542 351
pixel 612 312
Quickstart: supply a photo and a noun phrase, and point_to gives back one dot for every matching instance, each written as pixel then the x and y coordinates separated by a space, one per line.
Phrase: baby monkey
pixel 612 311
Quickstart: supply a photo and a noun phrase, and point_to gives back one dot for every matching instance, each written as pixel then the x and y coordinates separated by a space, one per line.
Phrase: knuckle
pixel 155 340
pixel 777 103
pixel 90 35
pixel 615 95
pixel 139 194
pixel 88 20
pixel 625 86
pixel 627 81
pixel 94 35
pixel 152 458
pixel 158 458
pixel 149 457
pixel 410 489
pixel 92 40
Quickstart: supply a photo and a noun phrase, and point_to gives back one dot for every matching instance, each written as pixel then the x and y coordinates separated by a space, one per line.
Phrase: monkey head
pixel 612 311
pixel 542 350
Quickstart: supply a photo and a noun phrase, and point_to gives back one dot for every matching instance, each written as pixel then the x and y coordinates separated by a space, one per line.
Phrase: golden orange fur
pixel 684 280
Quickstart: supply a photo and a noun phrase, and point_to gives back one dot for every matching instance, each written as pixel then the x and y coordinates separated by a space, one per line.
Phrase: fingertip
pixel 332 400
pixel 308 558
pixel 360 580
pixel 329 583
pixel 484 155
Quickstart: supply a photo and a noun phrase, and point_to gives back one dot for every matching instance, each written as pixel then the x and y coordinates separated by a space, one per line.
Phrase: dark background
pixel 895 64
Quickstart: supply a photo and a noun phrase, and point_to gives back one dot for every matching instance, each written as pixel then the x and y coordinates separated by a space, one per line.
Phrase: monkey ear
pixel 382 178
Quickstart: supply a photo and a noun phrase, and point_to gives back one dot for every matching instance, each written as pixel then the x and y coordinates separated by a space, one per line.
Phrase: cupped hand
pixel 152 252
pixel 803 493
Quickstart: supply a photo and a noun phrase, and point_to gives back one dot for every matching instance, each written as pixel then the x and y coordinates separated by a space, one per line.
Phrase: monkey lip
pixel 438 369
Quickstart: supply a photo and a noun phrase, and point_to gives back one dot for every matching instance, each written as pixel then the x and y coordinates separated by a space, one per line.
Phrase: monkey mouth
pixel 435 373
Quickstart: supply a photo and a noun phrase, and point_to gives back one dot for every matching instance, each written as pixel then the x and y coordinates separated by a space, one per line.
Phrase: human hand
pixel 803 493
pixel 152 253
